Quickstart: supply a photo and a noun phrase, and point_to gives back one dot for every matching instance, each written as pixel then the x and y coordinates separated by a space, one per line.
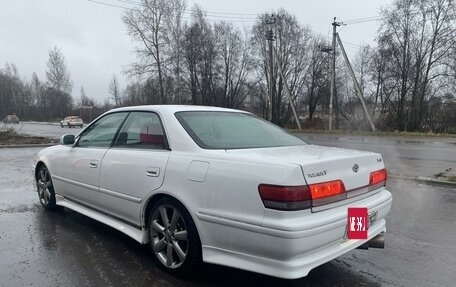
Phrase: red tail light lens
pixel 285 197
pixel 378 177
pixel 300 197
pixel 326 189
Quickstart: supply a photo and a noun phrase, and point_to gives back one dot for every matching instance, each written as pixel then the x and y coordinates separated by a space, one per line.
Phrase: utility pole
pixel 357 87
pixel 287 89
pixel 333 73
pixel 270 21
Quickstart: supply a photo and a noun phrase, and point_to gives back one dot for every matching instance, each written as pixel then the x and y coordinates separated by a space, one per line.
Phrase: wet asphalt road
pixel 64 248
pixel 410 157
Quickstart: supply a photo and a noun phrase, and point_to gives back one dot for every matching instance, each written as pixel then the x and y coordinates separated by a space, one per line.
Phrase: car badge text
pixel 315 174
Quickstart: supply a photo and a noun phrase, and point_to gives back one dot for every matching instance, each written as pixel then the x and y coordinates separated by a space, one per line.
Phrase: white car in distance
pixel 215 185
pixel 71 122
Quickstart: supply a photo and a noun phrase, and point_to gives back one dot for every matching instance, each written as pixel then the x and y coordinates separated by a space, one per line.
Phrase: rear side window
pixel 141 130
pixel 233 130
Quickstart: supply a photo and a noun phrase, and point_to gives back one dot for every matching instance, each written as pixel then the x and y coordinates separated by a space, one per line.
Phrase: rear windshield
pixel 231 130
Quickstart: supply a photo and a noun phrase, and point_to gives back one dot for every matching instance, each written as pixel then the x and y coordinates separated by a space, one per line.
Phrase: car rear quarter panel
pixel 226 206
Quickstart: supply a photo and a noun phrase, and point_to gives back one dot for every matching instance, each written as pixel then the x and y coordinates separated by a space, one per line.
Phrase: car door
pixel 79 165
pixel 134 166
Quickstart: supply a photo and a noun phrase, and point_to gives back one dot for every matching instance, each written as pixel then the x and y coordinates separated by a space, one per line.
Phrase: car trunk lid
pixel 321 164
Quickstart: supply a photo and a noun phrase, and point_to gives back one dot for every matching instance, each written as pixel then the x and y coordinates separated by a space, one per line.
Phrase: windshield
pixel 231 130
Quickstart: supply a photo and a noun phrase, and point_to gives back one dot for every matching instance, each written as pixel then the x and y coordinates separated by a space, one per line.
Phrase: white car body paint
pixel 219 188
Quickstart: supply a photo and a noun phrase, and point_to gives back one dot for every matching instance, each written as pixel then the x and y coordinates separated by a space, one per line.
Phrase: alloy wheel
pixel 169 236
pixel 45 188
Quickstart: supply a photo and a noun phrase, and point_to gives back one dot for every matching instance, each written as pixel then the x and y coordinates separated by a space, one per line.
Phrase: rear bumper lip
pixel 294 268
pixel 291 248
pixel 291 231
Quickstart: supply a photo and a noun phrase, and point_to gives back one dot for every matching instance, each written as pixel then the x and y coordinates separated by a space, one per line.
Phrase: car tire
pixel 61 125
pixel 174 239
pixel 45 188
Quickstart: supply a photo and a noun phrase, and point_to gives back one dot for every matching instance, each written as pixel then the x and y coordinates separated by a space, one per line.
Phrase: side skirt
pixel 140 235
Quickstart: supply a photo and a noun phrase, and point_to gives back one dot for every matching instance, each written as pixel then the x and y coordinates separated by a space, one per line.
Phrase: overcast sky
pixel 93 38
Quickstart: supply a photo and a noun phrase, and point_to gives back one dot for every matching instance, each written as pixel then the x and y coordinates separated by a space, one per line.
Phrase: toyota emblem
pixel 355 167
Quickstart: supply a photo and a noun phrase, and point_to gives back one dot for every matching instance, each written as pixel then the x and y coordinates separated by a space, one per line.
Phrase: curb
pixel 28 145
pixel 42 123
pixel 425 180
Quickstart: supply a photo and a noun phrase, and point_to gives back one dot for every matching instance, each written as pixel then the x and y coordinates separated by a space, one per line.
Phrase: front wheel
pixel 45 188
pixel 174 240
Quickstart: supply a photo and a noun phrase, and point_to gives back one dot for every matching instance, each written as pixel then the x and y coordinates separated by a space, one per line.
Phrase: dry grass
pixel 10 137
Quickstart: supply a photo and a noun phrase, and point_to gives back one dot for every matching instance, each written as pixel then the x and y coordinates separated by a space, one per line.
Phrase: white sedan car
pixel 216 185
pixel 72 121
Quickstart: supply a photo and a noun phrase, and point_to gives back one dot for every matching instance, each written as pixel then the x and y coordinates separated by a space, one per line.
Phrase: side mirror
pixel 67 140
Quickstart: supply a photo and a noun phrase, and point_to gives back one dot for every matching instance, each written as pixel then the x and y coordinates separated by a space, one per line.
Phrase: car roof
pixel 174 108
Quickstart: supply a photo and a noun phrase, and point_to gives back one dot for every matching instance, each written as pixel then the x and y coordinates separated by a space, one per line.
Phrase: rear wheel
pixel 174 239
pixel 45 188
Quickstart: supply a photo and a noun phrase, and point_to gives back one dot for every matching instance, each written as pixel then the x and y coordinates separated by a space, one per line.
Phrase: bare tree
pixel 199 55
pixel 84 100
pixel 316 76
pixel 114 90
pixel 438 29
pixel 59 85
pixel 147 24
pixel 174 49
pixel 234 62
pixel 419 35
pixel 397 33
pixel 291 44
pixel 57 74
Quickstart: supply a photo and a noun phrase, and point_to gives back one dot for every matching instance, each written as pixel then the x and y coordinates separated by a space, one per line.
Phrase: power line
pixel 110 5
pixel 240 15
pixel 363 20
pixel 376 18
pixel 217 18
pixel 223 17
pixel 353 44
pixel 220 20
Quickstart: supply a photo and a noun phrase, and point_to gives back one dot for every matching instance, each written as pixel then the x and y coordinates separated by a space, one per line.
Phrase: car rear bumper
pixel 291 247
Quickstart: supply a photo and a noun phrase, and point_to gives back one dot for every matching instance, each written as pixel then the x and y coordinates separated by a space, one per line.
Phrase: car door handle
pixel 93 163
pixel 153 171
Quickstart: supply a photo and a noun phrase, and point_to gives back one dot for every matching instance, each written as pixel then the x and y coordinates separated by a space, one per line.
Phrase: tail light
pixel 306 196
pixel 326 189
pixel 298 197
pixel 285 197
pixel 378 177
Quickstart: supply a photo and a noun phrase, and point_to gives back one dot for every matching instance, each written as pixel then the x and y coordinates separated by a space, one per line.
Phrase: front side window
pixel 232 130
pixel 102 132
pixel 141 130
